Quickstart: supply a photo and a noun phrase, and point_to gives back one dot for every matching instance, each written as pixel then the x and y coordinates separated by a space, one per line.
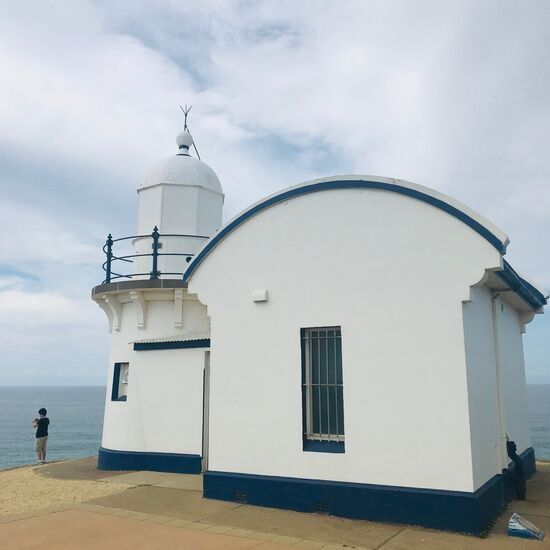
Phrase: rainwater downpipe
pixel 500 398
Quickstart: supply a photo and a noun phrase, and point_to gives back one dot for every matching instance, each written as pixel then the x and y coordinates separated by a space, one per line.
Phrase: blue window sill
pixel 324 446
pixel 122 398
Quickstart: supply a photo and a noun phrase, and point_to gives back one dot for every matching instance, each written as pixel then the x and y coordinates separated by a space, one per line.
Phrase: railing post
pixel 155 246
pixel 109 245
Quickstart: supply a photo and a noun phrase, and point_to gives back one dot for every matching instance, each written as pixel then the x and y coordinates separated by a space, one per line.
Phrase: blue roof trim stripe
pixel 344 184
pixel 520 286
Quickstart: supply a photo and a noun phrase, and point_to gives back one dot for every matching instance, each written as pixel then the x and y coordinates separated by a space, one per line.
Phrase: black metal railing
pixel 155 236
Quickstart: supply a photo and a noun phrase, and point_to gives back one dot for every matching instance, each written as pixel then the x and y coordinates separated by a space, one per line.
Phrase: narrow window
pixel 120 382
pixel 322 390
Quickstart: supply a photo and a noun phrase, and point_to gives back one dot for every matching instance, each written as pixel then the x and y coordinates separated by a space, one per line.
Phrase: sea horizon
pixel 76 414
pixel 53 386
pixel 104 385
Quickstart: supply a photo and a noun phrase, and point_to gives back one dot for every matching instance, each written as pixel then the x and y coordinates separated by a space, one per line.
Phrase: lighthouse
pixel 293 382
pixel 160 333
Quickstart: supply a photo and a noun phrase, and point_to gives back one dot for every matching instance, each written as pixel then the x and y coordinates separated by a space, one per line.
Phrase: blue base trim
pixel 109 459
pixel 449 510
pixel 324 446
pixel 463 512
pixel 529 462
pixel 185 344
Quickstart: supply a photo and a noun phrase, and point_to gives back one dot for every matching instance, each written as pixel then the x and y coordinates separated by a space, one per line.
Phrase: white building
pixel 351 344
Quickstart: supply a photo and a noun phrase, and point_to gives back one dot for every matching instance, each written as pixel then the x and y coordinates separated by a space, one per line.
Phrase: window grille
pixel 322 384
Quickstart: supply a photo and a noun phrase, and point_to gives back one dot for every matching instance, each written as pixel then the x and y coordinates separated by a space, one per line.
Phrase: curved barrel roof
pixel 486 229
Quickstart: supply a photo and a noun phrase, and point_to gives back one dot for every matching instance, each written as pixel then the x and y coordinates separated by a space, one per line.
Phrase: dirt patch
pixel 24 490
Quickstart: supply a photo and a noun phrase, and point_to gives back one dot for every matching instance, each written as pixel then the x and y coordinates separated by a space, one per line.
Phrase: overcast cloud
pixel 452 95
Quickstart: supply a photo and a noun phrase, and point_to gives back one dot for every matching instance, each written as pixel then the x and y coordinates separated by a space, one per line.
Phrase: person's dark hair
pixel 43 411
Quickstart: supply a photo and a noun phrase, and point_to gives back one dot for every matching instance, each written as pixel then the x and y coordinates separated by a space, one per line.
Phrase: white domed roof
pixel 183 169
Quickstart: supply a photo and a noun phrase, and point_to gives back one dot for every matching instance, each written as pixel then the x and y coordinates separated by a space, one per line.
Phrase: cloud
pixel 33 237
pixel 49 338
pixel 452 95
pixel 40 308
pixel 27 309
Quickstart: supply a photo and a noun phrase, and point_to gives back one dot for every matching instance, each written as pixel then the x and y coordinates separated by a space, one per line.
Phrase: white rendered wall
pixel 209 206
pixel 492 414
pixel 149 209
pixel 512 370
pixel 487 453
pixel 175 209
pixel 181 209
pixel 163 411
pixel 392 272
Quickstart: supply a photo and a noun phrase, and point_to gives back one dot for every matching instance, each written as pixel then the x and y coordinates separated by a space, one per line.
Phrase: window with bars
pixel 322 389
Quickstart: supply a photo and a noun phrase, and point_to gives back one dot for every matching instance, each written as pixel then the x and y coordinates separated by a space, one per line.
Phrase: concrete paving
pixel 161 510
pixel 83 530
pixel 82 469
pixel 177 503
pixel 191 506
pixel 159 479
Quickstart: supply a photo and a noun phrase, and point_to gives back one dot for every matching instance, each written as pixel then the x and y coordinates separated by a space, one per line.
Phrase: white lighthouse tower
pixel 159 361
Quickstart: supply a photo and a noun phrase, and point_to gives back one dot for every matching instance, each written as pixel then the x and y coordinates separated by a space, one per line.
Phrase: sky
pixel 449 94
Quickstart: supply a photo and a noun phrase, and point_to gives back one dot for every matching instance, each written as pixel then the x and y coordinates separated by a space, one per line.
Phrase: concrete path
pixel 84 530
pixel 167 511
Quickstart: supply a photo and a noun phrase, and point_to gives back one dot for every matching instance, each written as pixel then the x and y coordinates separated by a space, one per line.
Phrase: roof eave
pixel 525 290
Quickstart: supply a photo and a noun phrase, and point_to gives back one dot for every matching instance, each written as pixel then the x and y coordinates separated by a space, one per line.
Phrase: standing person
pixel 41 424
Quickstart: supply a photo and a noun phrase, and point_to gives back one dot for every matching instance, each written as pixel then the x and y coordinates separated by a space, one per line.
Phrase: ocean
pixel 539 417
pixel 76 415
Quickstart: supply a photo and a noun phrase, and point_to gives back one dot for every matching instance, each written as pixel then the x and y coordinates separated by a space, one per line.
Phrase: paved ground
pixel 167 511
pixel 81 469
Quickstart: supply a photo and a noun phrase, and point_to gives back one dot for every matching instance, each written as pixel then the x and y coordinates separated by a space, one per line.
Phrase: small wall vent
pixel 239 496
pixel 322 507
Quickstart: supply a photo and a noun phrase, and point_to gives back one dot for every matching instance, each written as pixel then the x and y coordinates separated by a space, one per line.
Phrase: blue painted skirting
pixel 109 459
pixel 184 344
pixel 449 510
pixel 529 464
